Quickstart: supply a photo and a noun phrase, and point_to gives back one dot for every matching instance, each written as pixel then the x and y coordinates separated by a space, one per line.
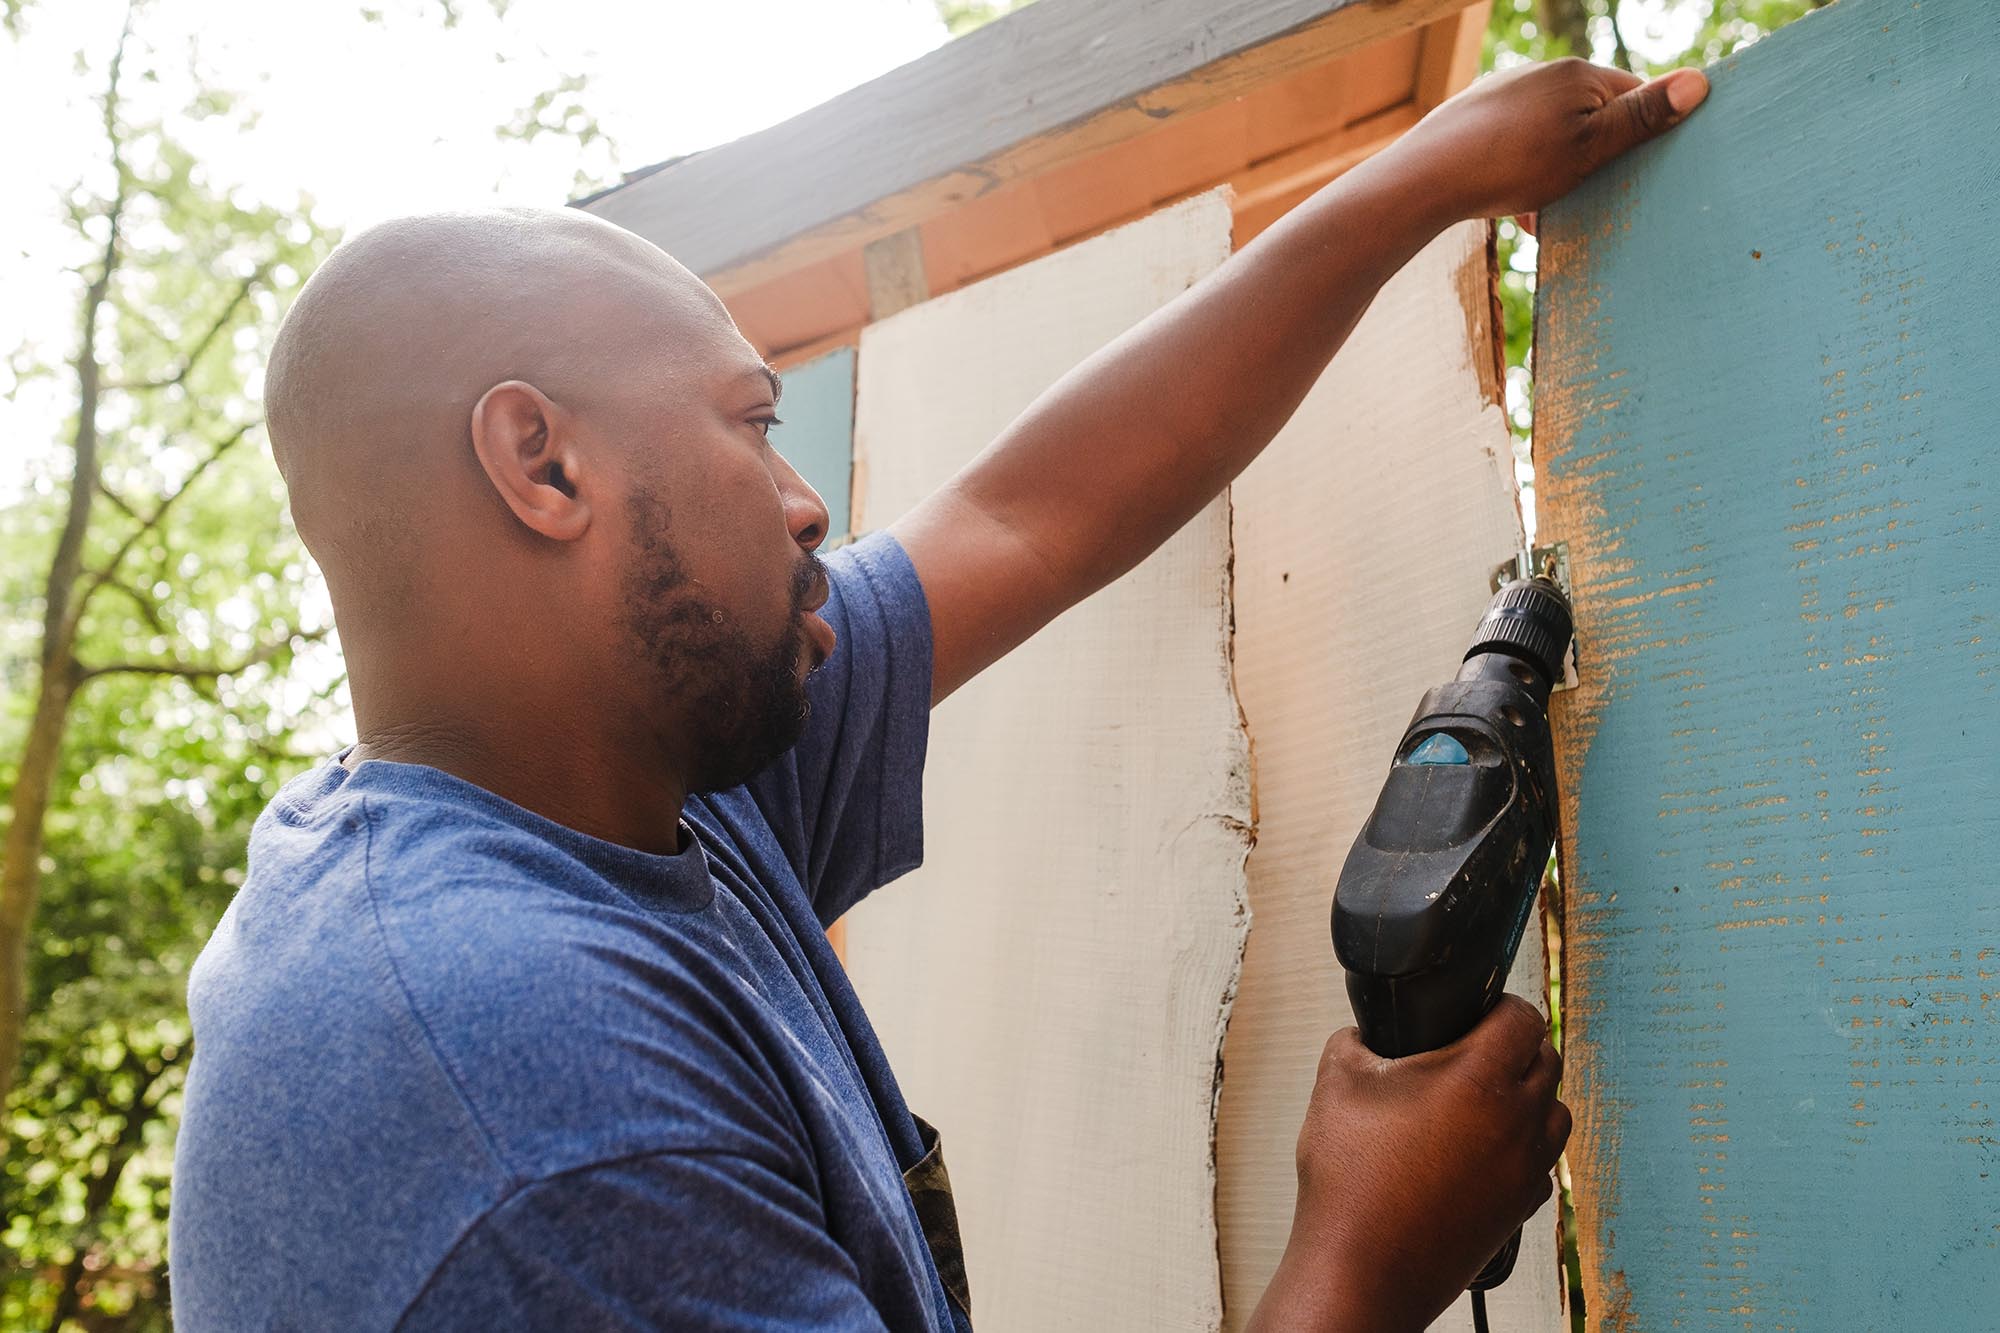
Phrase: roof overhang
pixel 1059 120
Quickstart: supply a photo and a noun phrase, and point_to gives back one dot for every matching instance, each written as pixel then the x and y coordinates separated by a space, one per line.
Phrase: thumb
pixel 1650 109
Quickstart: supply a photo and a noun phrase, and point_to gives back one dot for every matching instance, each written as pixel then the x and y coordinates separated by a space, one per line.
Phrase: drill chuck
pixel 1529 619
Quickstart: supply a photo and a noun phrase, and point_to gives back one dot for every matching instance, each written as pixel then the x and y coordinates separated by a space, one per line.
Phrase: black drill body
pixel 1438 888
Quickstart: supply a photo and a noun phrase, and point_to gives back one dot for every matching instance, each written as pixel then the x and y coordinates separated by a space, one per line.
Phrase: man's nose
pixel 805 513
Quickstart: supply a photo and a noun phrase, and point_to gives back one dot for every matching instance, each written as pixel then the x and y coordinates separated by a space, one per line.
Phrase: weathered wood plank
pixel 1053 984
pixel 1363 537
pixel 1050 84
pixel 1767 407
pixel 1292 175
pixel 895 267
pixel 1451 54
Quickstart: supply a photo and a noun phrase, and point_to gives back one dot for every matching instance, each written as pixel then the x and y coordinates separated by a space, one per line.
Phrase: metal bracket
pixel 1551 562
pixel 1548 561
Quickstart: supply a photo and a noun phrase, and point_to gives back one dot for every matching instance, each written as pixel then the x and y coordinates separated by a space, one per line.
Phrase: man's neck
pixel 601 789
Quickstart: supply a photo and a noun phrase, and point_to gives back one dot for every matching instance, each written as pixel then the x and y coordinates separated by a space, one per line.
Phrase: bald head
pixel 530 453
pixel 381 360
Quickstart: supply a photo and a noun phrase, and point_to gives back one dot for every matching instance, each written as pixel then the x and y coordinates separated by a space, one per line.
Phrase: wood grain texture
pixel 1364 537
pixel 1053 985
pixel 1766 408
pixel 895 268
pixel 1049 84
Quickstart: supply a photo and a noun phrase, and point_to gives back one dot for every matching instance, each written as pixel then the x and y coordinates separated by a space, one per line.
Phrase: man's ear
pixel 529 454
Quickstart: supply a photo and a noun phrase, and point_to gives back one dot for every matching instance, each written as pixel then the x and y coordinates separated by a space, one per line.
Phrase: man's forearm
pixel 1128 446
pixel 1132 443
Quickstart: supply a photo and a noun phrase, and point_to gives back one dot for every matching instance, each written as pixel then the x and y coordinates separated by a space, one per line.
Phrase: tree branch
pixel 203 343
pixel 1621 55
pixel 59 617
pixel 148 608
pixel 1569 22
pixel 118 501
pixel 109 571
pixel 152 325
pixel 201 670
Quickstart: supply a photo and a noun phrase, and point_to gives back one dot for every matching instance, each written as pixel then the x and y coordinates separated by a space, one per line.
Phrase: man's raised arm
pixel 1128 446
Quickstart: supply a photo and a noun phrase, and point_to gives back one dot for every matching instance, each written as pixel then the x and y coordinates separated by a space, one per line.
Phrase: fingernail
pixel 1685 90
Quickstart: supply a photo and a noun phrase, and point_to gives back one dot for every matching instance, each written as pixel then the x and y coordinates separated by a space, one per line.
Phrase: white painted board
pixel 1364 537
pixel 1053 985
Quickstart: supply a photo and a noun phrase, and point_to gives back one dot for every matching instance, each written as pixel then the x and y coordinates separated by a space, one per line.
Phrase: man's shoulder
pixel 416 851
pixel 341 879
pixel 413 1011
pixel 316 1105
pixel 393 942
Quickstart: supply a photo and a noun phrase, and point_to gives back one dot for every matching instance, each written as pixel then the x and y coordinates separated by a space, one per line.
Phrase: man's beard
pixel 739 705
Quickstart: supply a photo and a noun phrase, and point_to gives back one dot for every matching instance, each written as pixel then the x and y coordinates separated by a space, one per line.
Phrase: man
pixel 524 1017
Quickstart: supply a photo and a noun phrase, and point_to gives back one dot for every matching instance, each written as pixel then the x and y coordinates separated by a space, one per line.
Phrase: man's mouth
pixel 810 589
pixel 820 635
pixel 821 590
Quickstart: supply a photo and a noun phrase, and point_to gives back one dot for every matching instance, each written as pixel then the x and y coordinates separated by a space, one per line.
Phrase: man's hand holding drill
pixel 1413 1172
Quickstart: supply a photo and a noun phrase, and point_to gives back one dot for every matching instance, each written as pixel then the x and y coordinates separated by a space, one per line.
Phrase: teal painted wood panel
pixel 1769 420
pixel 817 436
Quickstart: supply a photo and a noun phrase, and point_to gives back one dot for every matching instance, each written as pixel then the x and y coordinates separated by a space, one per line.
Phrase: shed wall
pixel 1768 396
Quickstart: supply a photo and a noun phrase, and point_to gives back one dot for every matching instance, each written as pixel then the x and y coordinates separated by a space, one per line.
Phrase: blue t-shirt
pixel 459 1067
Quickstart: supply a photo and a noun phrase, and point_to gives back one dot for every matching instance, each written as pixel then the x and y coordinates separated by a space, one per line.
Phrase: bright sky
pixel 377 119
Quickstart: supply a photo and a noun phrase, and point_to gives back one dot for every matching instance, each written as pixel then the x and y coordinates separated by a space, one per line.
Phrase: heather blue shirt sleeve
pixel 672 1240
pixel 847 803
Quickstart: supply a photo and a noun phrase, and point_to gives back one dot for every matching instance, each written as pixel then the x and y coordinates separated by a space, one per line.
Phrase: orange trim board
pixel 1274 146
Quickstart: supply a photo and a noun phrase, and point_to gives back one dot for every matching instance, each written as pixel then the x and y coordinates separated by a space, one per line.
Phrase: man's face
pixel 739 696
pixel 719 580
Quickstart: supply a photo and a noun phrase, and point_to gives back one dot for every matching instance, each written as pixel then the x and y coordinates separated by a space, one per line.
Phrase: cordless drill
pixel 1439 885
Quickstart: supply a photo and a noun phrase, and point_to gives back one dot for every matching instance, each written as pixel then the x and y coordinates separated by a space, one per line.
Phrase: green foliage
pixel 962 16
pixel 1607 31
pixel 160 787
pixel 562 111
pixel 448 12
pixel 166 759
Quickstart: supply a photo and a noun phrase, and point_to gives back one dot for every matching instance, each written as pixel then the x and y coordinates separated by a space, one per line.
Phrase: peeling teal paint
pixel 817 436
pixel 1769 408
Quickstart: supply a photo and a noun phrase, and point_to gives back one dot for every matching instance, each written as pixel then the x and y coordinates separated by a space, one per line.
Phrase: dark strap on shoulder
pixel 930 1190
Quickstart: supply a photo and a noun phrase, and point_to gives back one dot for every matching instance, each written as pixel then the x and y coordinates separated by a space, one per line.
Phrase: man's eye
pixel 764 424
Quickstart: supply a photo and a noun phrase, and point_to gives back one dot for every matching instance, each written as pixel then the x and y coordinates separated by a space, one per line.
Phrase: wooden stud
pixel 1451 52
pixel 895 267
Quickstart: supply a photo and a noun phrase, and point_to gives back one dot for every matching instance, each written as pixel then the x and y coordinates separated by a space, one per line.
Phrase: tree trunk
pixel 1568 20
pixel 21 862
pixel 21 859
pixel 1621 54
